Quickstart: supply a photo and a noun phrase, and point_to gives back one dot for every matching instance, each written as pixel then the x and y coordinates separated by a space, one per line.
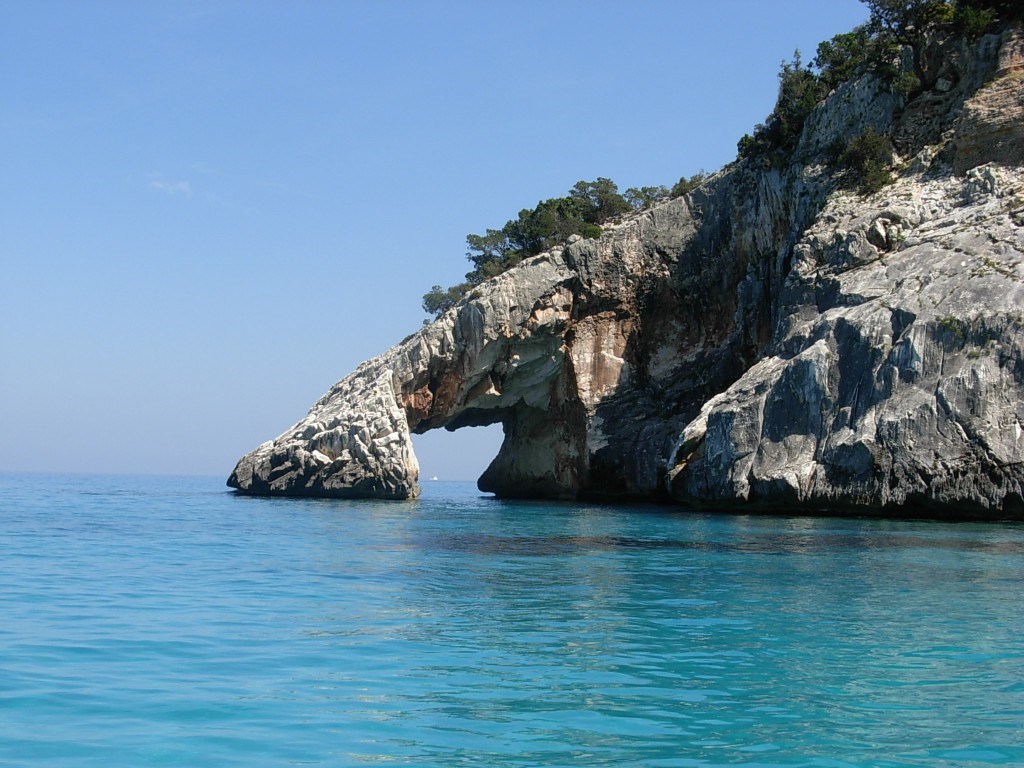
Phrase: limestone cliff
pixel 766 341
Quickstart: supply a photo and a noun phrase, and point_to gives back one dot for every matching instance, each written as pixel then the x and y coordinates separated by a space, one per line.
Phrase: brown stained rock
pixel 598 353
pixel 417 404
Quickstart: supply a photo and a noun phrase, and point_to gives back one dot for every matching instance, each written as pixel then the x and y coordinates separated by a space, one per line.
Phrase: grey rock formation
pixel 767 341
pixel 896 379
pixel 496 353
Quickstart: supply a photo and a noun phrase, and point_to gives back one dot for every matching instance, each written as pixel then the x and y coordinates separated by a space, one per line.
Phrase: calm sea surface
pixel 165 621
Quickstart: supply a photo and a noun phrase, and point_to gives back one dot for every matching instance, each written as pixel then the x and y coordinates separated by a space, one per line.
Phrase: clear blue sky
pixel 211 211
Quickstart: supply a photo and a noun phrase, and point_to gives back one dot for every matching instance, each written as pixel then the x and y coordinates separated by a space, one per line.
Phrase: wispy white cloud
pixel 184 189
pixel 174 188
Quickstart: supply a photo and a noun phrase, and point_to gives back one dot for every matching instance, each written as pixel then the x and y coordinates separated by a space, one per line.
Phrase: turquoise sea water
pixel 165 621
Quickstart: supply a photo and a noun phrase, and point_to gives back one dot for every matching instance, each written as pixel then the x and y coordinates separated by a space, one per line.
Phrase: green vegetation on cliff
pixel 894 26
pixel 891 45
pixel 582 211
pixel 866 161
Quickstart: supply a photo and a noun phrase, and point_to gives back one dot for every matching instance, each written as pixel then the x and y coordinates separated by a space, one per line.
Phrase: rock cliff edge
pixel 767 341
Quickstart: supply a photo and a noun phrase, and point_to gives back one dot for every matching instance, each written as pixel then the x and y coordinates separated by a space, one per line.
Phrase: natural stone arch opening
pixel 500 356
pixel 457 455
pixel 538 449
pixel 531 350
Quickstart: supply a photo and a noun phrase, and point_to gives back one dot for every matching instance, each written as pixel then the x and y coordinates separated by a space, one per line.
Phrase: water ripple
pixel 160 621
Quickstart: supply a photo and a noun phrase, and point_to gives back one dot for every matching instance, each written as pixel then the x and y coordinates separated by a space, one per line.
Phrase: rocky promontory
pixel 770 340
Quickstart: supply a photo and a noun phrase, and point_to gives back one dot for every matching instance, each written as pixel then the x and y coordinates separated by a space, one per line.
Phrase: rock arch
pixel 502 355
pixel 765 341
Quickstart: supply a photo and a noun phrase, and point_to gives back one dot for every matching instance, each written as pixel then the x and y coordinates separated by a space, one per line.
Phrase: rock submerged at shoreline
pixel 768 341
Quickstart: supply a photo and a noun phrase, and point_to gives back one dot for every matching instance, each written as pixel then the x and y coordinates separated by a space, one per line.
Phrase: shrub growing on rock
pixel 551 222
pixel 867 162
pixel 642 198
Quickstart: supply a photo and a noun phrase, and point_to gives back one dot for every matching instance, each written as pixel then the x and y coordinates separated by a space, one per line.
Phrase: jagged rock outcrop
pixel 896 379
pixel 766 341
pixel 495 355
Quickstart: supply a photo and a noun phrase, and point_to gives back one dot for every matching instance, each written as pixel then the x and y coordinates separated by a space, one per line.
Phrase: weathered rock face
pixel 765 341
pixel 896 378
pixel 494 357
pixel 989 128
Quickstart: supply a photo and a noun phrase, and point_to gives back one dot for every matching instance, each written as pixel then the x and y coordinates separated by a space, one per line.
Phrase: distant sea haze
pixel 167 621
